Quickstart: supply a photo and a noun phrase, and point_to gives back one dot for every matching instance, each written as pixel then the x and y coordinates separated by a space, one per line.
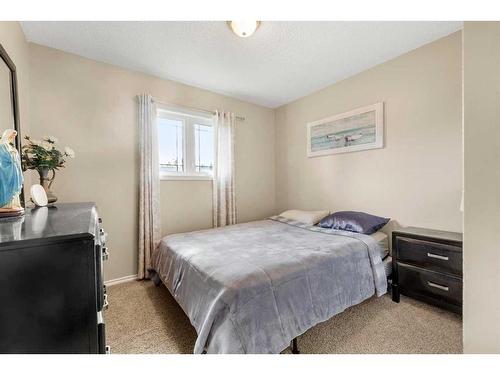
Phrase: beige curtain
pixel 224 203
pixel 149 192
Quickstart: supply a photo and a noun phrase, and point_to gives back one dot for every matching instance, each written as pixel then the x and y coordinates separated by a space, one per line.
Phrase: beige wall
pixel 416 178
pixel 13 40
pixel 91 107
pixel 482 181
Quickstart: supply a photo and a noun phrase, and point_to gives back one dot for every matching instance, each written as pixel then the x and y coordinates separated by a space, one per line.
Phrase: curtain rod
pixel 241 118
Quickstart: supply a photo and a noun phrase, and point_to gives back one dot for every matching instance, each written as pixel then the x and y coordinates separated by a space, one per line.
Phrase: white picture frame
pixel 356 130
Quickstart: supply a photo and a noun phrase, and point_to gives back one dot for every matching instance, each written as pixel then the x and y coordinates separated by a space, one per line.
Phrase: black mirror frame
pixel 15 102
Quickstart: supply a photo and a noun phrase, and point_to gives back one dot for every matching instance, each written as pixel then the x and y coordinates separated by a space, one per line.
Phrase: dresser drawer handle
pixel 105 253
pixel 442 257
pixel 105 304
pixel 103 236
pixel 437 286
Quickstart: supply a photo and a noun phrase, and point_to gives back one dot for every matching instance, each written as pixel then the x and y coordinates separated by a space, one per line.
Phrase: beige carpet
pixel 145 319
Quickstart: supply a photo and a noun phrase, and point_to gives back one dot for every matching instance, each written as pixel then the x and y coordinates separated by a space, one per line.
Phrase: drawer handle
pixel 105 253
pixel 437 286
pixel 103 236
pixel 442 257
pixel 105 304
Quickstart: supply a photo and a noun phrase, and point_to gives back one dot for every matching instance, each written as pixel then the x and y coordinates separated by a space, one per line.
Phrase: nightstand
pixel 427 265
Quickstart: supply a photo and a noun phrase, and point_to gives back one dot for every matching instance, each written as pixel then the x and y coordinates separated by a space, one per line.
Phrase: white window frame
pixel 189 118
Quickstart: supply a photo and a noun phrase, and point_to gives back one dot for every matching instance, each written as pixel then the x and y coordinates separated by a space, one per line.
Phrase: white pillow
pixel 308 217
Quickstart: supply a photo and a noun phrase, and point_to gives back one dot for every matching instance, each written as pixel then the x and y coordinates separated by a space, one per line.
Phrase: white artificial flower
pixel 36 142
pixel 46 145
pixel 68 151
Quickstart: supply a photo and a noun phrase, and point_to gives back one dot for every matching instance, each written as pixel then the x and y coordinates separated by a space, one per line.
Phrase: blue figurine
pixel 11 175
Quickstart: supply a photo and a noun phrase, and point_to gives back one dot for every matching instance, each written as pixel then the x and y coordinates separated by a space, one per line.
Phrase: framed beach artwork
pixel 356 130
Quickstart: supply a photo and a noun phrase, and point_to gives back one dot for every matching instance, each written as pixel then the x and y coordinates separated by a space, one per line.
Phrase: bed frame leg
pixel 395 293
pixel 155 278
pixel 295 349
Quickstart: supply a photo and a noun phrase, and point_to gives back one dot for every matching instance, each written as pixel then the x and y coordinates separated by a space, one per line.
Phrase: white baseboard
pixel 121 280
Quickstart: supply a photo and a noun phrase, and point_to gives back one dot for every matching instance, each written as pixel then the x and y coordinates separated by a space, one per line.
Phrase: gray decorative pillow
pixel 353 221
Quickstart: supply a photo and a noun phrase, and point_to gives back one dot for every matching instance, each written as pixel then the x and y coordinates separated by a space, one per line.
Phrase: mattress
pixel 383 243
pixel 253 287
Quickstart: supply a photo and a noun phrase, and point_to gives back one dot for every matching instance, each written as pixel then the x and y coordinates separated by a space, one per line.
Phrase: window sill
pixel 167 177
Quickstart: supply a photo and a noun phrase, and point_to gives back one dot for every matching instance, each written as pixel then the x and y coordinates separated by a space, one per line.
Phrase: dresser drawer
pixel 435 285
pixel 430 255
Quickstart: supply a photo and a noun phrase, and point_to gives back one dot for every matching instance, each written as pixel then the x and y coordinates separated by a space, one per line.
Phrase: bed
pixel 254 287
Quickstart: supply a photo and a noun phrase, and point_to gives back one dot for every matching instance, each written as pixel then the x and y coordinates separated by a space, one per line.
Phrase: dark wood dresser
pixel 427 265
pixel 51 281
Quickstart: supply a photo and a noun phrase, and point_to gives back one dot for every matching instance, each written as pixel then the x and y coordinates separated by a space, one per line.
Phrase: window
pixel 171 144
pixel 204 148
pixel 186 144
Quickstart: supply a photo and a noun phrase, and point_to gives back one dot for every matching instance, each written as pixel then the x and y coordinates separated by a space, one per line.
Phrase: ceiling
pixel 281 62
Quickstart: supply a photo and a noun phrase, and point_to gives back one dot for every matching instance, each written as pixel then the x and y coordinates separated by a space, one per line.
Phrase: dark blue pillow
pixel 353 221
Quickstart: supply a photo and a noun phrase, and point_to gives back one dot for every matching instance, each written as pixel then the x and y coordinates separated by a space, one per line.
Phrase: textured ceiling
pixel 281 62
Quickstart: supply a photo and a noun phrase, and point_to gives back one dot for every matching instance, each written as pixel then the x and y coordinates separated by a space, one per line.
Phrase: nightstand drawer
pixel 430 284
pixel 433 256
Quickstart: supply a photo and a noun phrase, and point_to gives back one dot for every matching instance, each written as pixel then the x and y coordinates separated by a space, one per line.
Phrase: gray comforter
pixel 252 288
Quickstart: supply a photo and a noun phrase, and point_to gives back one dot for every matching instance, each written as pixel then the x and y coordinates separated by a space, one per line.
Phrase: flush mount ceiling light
pixel 243 28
